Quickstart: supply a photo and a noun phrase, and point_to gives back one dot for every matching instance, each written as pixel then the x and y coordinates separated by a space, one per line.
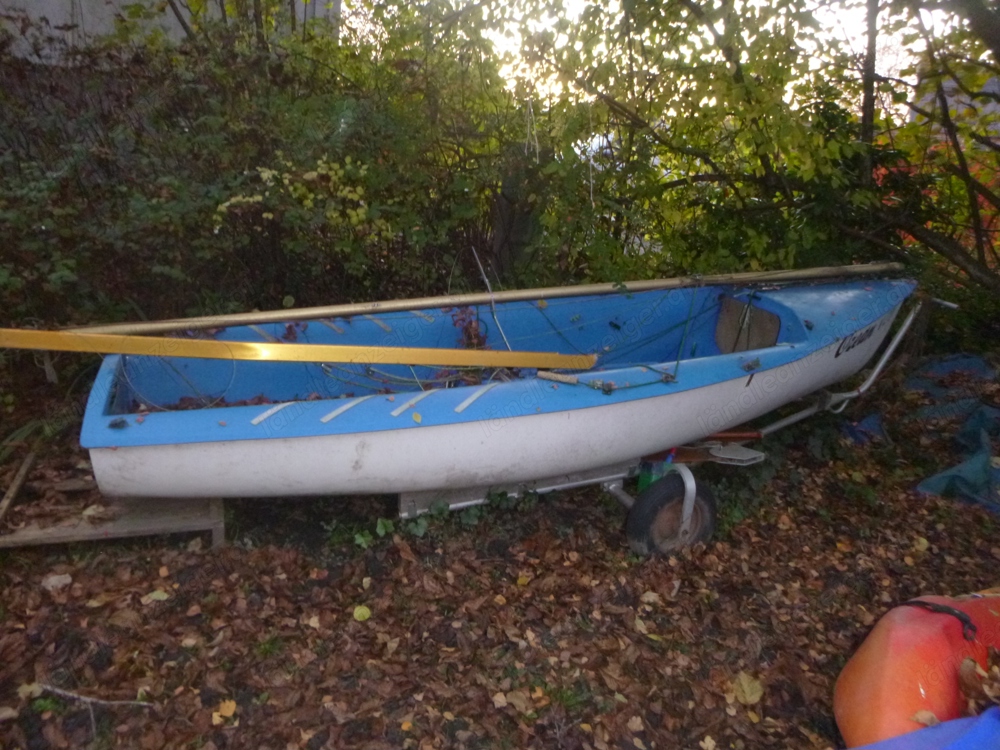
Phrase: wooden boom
pixel 156 346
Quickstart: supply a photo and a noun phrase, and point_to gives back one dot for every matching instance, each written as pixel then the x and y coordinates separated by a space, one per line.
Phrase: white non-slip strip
pixel 341 409
pixel 270 412
pixel 403 407
pixel 465 404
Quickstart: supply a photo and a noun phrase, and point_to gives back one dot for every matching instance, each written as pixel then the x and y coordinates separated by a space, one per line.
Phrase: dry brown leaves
pixel 535 629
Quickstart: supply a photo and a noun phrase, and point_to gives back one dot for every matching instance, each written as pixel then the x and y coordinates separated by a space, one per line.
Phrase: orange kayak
pixel 909 663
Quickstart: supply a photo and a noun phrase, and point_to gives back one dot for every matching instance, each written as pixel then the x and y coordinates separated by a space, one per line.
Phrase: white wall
pixel 89 18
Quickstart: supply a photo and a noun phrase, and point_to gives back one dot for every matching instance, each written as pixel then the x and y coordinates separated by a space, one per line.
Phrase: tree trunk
pixel 335 10
pixel 868 100
pixel 258 24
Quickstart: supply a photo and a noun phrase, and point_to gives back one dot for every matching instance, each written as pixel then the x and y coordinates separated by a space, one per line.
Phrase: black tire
pixel 654 521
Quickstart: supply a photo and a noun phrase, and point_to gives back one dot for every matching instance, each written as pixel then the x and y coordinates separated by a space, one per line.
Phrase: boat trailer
pixel 673 511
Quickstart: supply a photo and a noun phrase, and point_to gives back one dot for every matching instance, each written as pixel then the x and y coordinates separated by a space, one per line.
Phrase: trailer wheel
pixel 654 521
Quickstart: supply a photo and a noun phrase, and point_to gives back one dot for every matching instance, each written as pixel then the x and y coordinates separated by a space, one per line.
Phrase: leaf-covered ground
pixel 523 625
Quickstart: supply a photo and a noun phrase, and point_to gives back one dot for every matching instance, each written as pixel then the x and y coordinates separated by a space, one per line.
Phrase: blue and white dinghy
pixel 675 362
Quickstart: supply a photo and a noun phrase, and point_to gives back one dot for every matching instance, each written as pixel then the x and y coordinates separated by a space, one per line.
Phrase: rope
pixel 969 629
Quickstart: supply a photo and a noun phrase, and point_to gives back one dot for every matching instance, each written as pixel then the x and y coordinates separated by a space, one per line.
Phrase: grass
pixel 270 646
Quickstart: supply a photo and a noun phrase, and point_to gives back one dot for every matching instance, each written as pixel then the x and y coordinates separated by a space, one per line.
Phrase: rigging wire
pixel 493 304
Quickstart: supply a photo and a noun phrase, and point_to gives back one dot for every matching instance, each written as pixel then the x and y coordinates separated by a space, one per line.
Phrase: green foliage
pixel 470 517
pixel 417 527
pixel 363 539
pixel 219 176
pixel 259 164
pixel 47 703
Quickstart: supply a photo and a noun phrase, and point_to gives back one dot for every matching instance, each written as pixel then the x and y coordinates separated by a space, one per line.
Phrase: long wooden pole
pixel 462 300
pixel 18 482
pixel 153 346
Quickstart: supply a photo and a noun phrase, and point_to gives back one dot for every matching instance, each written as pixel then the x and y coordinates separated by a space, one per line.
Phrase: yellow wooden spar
pixel 159 346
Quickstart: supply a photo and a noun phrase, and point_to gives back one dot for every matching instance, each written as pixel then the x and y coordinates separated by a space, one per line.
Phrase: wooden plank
pixel 158 346
pixel 16 484
pixel 131 518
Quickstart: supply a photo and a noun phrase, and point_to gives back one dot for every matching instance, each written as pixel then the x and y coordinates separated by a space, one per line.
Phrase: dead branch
pixel 15 486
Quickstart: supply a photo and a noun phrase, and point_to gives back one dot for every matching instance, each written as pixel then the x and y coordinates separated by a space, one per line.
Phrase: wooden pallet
pixel 131 518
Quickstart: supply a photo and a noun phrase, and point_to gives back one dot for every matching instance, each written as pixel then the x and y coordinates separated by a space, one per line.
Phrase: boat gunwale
pixel 97 413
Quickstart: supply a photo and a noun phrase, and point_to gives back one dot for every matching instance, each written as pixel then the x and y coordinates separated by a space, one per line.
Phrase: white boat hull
pixel 496 451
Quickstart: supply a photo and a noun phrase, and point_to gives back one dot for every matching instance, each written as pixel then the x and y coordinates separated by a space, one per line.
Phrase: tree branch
pixel 963 172
pixel 983 22
pixel 695 178
pixel 188 31
pixel 949 248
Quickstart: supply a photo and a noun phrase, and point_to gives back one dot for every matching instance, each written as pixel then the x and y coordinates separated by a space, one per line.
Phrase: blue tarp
pixel 976 478
pixel 978 733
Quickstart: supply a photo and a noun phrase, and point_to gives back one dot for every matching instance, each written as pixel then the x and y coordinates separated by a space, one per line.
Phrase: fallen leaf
pixel 404 549
pixel 747 690
pixel 126 618
pixel 164 571
pixel 921 545
pixel 99 601
pixel 651 597
pixel 925 717
pixel 707 744
pixel 30 690
pixel 635 724
pixel 55 582
pixel 227 708
pixel 406 726
pixel 362 613
pixel 499 700
pixel 314 622
pixel 520 700
pixel 7 713
pixel 159 595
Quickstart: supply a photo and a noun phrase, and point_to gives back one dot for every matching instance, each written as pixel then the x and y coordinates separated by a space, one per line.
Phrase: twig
pixel 92 701
pixel 89 702
pixel 16 485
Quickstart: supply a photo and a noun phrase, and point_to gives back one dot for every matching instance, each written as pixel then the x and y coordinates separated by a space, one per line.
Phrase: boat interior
pixel 624 329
